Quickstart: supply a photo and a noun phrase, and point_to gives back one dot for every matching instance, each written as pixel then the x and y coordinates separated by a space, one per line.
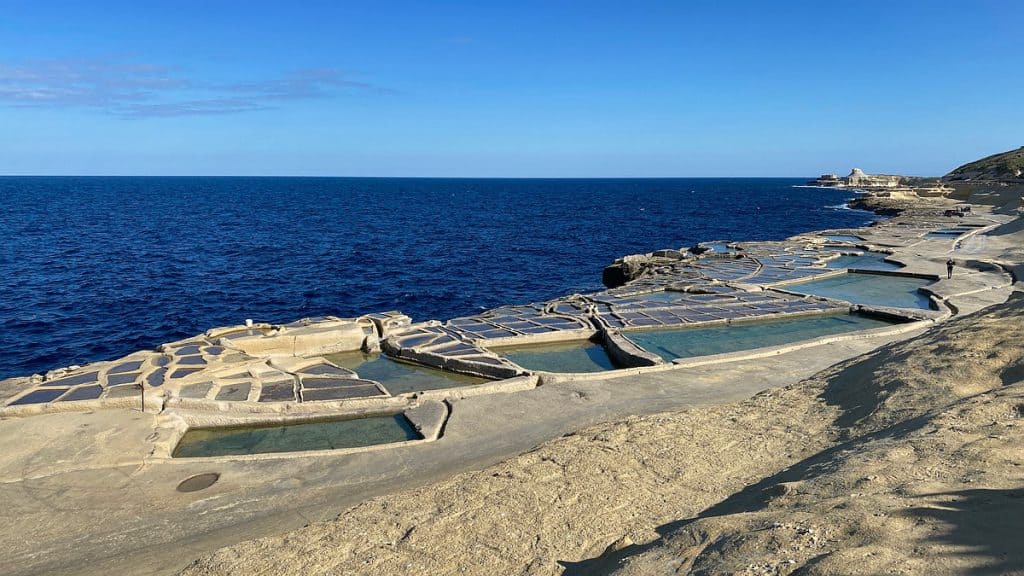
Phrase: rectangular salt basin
pixel 867 261
pixel 843 238
pixel 870 289
pixel 946 233
pixel 400 377
pixel 690 342
pixel 570 357
pixel 323 435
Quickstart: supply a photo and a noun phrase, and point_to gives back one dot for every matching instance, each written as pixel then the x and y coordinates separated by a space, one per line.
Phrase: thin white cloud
pixel 140 89
pixel 209 107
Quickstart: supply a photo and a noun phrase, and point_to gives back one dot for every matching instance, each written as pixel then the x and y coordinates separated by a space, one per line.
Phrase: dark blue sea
pixel 94 268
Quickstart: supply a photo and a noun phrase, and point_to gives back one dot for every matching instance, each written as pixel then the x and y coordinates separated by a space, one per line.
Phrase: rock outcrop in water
pixel 629 268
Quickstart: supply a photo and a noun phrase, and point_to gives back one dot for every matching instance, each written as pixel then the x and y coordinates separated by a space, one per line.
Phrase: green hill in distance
pixel 1002 167
pixel 996 180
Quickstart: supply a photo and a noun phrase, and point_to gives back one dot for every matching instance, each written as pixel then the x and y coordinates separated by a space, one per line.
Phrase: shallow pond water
pixel 324 435
pixel 871 289
pixel 948 232
pixel 689 342
pixel 576 356
pixel 866 261
pixel 400 377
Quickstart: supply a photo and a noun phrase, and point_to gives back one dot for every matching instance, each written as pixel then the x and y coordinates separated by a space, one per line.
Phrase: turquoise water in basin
pixel 871 289
pixel 400 377
pixel 867 261
pixel 690 342
pixel 325 435
pixel 843 238
pixel 577 356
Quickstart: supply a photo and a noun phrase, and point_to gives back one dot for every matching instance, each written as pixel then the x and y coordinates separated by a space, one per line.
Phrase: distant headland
pixel 996 180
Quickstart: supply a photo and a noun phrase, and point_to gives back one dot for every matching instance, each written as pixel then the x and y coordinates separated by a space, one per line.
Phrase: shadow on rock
pixel 983 524
pixel 751 499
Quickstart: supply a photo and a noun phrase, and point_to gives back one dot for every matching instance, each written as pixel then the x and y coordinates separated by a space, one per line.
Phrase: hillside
pixel 1005 166
pixel 996 180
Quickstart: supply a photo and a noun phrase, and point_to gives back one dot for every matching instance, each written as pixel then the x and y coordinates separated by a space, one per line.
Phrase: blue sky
pixel 520 88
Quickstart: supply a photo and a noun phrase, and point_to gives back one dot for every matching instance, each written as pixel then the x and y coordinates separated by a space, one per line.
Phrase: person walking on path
pixel 949 268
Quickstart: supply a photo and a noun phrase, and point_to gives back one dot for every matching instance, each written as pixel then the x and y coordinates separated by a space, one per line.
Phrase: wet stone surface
pixel 328 370
pixel 39 396
pixel 87 378
pixel 122 392
pixel 278 392
pixel 234 392
pixel 331 382
pixel 118 379
pixel 182 372
pixel 359 391
pixel 199 390
pixel 126 367
pixel 83 393
pixel 156 378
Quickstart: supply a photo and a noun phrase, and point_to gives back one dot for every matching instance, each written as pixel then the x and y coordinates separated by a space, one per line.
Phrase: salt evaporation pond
pixel 324 435
pixel 689 342
pixel 570 357
pixel 866 261
pixel 870 289
pixel 400 377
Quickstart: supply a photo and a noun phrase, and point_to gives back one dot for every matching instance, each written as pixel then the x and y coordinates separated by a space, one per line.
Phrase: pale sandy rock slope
pixel 907 461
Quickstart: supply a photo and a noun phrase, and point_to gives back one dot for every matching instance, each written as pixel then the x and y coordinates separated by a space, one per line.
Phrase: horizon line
pixel 396 177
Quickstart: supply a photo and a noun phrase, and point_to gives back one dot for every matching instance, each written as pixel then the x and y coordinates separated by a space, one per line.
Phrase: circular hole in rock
pixel 198 482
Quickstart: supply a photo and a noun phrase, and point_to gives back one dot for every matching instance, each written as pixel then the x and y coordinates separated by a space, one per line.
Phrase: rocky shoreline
pixel 105 449
pixel 900 460
pixel 904 461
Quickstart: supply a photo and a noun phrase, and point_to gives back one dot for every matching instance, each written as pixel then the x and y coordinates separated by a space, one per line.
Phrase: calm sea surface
pixel 95 268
